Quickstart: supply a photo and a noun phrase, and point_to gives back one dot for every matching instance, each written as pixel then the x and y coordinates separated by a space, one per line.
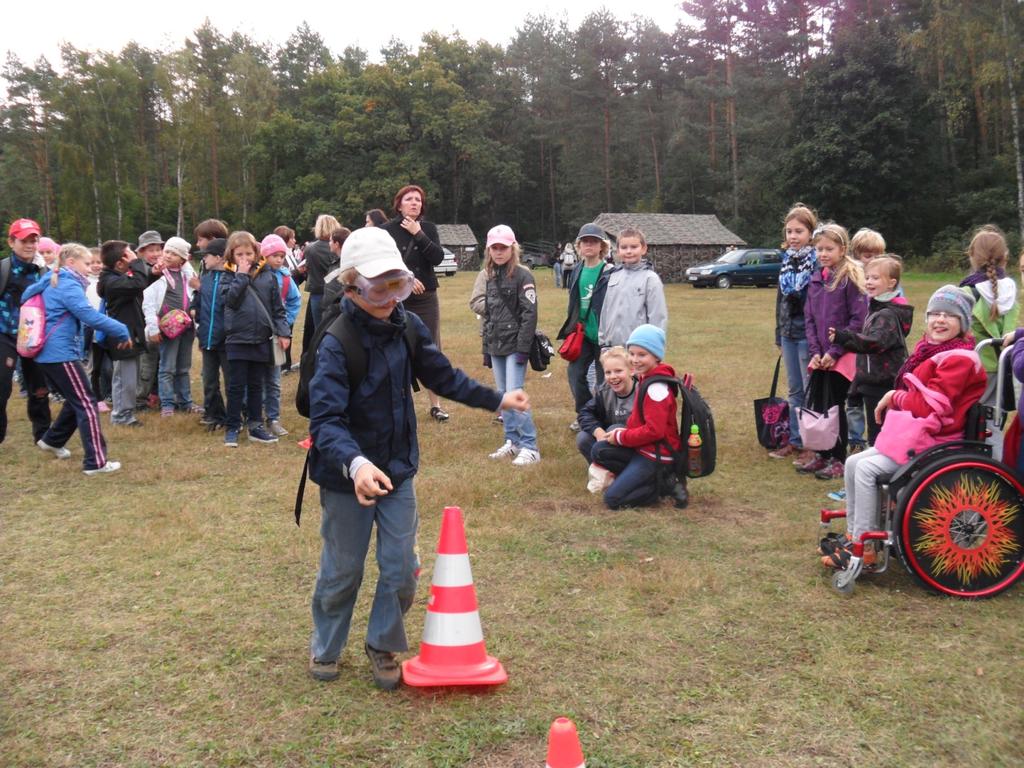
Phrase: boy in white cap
pixel 365 454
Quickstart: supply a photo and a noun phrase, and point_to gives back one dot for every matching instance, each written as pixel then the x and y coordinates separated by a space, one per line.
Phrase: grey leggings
pixel 862 470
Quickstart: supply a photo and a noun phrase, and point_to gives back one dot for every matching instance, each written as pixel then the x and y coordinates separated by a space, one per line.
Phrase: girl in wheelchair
pixel 934 389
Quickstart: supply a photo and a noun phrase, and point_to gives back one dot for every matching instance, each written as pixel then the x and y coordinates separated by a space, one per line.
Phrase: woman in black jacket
pixel 420 246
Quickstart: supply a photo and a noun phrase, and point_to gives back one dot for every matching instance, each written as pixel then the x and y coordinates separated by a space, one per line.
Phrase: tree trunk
pixel 607 156
pixel 96 197
pixel 979 99
pixel 180 174
pixel 654 156
pixel 543 170
pixel 551 183
pixel 1015 114
pixel 215 172
pixel 712 137
pixel 730 113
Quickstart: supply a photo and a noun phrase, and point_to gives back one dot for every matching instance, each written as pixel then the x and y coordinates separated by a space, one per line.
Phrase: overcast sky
pixel 38 28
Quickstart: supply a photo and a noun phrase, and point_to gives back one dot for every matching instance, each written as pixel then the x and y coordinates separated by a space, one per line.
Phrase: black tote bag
pixel 771 416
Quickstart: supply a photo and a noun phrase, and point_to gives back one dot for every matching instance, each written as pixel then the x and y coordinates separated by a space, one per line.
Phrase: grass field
pixel 160 616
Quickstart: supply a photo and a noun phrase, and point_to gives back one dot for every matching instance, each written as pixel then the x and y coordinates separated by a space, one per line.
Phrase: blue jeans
pixel 175 364
pixel 558 272
pixel 519 426
pixel 614 458
pixel 272 393
pixel 795 356
pixel 634 486
pixel 345 529
pixel 855 422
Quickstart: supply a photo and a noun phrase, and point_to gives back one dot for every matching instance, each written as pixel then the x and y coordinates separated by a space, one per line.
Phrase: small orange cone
pixel 452 652
pixel 564 746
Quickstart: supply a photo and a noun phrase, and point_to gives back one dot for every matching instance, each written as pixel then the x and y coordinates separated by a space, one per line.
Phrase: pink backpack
pixel 32 333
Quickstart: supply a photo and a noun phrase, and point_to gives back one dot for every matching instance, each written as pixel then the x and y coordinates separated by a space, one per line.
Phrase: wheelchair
pixel 953 515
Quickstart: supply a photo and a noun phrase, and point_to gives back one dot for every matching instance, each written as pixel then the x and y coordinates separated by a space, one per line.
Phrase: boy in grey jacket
pixel 635 293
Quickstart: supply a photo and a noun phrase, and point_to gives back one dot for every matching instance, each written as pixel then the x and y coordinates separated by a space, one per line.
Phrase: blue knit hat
pixel 650 337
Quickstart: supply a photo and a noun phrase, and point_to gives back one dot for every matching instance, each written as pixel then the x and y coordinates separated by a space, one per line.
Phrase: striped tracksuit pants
pixel 79 412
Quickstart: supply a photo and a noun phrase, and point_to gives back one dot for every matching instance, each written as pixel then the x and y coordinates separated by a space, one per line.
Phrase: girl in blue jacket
pixel 67 311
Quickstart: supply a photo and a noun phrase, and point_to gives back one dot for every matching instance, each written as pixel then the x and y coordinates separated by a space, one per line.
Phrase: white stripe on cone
pixel 452 629
pixel 581 765
pixel 452 571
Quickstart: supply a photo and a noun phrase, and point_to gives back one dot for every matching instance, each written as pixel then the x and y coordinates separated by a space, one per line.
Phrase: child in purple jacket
pixel 835 300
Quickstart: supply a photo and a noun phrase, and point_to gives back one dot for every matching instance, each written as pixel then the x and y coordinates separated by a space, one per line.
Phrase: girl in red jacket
pixel 943 376
pixel 655 436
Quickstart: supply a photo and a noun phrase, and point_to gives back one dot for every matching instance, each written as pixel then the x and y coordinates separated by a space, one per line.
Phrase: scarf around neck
pixel 981 277
pixel 926 349
pixel 797 269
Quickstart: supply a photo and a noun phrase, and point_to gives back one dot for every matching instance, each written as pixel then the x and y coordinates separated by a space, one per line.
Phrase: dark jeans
pixel 634 486
pixel 38 400
pixel 215 363
pixel 578 373
pixel 870 403
pixel 101 372
pixel 614 458
pixel 245 390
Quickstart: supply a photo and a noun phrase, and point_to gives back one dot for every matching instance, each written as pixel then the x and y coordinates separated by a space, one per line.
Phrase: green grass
pixel 161 616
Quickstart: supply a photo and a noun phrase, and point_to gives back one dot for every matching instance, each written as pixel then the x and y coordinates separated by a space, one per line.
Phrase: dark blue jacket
pixel 246 322
pixel 596 299
pixel 378 420
pixel 210 318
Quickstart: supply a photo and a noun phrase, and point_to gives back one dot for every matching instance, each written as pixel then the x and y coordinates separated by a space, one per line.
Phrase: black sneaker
pixel 437 413
pixel 387 672
pixel 257 434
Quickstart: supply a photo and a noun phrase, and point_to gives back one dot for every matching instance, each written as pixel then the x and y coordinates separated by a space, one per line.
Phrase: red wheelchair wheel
pixel 960 525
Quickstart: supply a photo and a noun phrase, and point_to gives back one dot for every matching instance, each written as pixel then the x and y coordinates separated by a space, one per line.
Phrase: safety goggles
pixel 380 291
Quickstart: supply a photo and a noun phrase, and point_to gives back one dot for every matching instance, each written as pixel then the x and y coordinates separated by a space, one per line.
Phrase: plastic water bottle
pixel 693 444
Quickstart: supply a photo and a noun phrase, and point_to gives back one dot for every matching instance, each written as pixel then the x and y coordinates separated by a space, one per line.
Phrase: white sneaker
pixel 506 451
pixel 277 429
pixel 110 466
pixel 60 453
pixel 526 456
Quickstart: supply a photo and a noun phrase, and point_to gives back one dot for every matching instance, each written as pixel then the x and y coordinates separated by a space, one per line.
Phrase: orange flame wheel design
pixel 962 529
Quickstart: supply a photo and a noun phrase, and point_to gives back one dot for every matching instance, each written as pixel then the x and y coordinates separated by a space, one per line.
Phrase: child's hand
pixel 815 363
pixel 600 434
pixel 883 405
pixel 126 344
pixel 517 400
pixel 242 266
pixel 370 483
pixel 285 342
pixel 193 282
pixel 826 362
pixel 1008 338
pixel 831 334
pixel 154 339
pixel 417 287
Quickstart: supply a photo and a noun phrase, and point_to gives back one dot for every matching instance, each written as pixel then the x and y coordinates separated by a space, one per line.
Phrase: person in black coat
pixel 124 278
pixel 420 246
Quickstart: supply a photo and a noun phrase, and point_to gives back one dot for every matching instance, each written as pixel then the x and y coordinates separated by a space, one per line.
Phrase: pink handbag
pixel 818 431
pixel 174 323
pixel 903 433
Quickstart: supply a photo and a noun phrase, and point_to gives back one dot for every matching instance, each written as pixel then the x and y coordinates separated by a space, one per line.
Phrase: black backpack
pixel 342 328
pixel 695 410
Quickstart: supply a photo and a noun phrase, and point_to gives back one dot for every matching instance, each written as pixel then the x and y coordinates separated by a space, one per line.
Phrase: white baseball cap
pixel 371 251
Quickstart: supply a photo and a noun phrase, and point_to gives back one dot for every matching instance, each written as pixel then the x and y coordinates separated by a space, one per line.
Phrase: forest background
pixel 899 115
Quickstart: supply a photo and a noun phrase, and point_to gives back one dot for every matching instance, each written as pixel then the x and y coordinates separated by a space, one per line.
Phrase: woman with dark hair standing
pixel 375 217
pixel 420 246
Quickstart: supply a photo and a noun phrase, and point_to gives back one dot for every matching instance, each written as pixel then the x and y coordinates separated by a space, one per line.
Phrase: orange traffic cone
pixel 564 746
pixel 452 652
